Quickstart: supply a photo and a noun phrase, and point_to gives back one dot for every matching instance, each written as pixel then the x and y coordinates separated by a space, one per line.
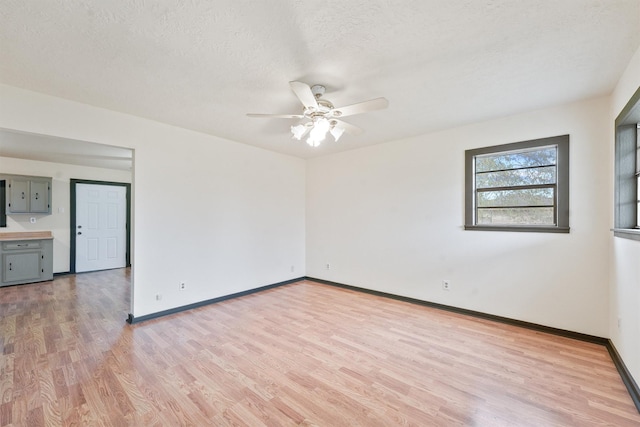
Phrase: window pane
pixel 537 176
pixel 524 159
pixel 528 197
pixel 519 184
pixel 515 216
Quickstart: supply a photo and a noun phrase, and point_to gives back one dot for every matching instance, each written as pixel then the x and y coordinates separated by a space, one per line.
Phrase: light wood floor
pixel 301 354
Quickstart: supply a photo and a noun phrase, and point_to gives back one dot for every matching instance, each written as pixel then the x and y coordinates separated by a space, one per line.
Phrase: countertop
pixel 25 235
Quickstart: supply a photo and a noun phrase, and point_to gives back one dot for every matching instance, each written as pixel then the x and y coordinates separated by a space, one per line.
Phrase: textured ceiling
pixel 203 64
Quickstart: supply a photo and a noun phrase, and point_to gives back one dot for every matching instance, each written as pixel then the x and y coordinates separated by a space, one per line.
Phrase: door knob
pixel 79 233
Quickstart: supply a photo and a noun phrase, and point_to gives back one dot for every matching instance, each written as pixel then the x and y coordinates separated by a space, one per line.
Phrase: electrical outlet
pixel 327 266
pixel 32 220
pixel 182 286
pixel 446 285
pixel 619 322
pixel 158 297
pixel 293 268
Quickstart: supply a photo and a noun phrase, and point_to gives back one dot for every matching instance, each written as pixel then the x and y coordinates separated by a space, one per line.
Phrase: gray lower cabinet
pixel 26 261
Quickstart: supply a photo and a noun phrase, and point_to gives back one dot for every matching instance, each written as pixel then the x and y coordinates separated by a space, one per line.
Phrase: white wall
pixel 390 218
pixel 227 217
pixel 625 254
pixel 59 220
pixel 221 216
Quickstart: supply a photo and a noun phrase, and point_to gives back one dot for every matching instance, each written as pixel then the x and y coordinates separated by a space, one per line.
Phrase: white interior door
pixel 101 229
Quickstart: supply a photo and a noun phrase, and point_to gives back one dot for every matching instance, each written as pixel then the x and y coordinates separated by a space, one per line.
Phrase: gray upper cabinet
pixel 39 191
pixel 18 200
pixel 28 194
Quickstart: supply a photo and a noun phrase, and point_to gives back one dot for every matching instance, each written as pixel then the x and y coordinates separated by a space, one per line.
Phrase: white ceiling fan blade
pixel 277 116
pixel 353 130
pixel 304 94
pixel 361 107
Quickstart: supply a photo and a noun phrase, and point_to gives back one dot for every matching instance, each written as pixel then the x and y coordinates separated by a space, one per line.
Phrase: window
pixel 523 186
pixel 627 171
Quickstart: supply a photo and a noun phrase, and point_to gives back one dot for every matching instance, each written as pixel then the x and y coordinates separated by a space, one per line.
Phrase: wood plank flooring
pixel 301 354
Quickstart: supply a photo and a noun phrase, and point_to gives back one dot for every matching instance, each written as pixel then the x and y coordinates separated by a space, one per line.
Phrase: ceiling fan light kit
pixel 318 129
pixel 321 114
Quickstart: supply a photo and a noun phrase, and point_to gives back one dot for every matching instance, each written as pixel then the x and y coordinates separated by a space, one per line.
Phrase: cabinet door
pixel 21 266
pixel 18 196
pixel 46 255
pixel 39 197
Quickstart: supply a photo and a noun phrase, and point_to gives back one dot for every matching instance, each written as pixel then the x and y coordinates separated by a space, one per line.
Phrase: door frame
pixel 72 214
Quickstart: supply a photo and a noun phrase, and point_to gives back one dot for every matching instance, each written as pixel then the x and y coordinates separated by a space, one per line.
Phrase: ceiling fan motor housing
pixel 324 108
pixel 318 90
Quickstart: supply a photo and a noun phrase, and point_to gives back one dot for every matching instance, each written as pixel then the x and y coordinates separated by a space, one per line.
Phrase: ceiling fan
pixel 321 117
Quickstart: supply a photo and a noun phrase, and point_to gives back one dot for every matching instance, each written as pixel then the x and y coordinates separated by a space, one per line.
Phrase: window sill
pixel 523 228
pixel 627 233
